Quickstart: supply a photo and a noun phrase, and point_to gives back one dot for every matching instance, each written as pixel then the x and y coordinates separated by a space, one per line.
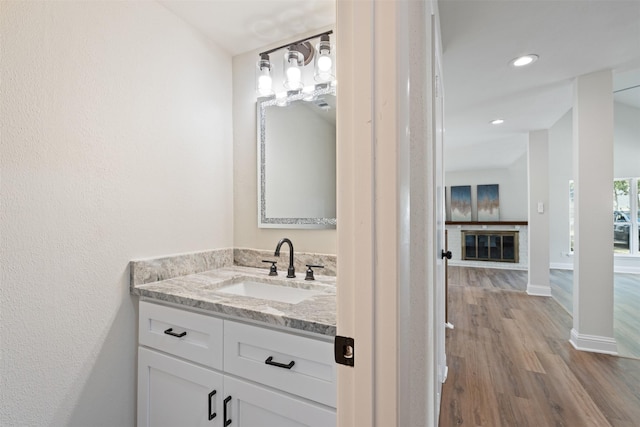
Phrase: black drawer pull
pixel 226 421
pixel 173 334
pixel 270 361
pixel 211 415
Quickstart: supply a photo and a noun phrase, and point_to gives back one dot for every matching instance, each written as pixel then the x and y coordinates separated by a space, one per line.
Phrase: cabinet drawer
pixel 264 356
pixel 192 336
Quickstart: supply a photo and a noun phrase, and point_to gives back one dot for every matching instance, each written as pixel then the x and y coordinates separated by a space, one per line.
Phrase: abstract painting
pixel 488 203
pixel 461 203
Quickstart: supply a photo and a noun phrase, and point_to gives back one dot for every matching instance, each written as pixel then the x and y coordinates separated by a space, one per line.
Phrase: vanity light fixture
pixel 263 71
pixel 524 60
pixel 298 54
pixel 497 122
pixel 293 60
pixel 324 62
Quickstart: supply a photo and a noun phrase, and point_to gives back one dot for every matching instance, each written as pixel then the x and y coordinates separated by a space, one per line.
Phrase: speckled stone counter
pixel 201 290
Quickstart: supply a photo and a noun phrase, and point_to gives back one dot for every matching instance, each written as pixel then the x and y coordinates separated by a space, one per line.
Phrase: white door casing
pixel 391 294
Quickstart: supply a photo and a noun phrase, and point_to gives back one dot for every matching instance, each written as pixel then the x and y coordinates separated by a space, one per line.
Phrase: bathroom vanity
pixel 234 347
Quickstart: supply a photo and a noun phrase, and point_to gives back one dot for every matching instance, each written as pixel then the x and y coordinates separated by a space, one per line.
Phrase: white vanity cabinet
pixel 200 370
pixel 173 392
pixel 255 406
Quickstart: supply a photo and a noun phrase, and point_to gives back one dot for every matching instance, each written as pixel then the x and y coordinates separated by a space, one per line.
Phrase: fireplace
pixel 490 245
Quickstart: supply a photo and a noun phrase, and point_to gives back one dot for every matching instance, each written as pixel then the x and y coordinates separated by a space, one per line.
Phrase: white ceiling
pixel 240 26
pixel 572 37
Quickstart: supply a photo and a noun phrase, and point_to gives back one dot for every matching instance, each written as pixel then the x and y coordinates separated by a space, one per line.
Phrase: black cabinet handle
pixel 226 421
pixel 211 415
pixel 446 254
pixel 173 334
pixel 270 361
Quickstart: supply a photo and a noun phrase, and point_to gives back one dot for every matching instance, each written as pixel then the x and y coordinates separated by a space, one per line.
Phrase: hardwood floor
pixel 626 307
pixel 511 364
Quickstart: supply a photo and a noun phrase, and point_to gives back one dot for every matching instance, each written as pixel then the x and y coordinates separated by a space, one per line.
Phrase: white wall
pixel 626 156
pixel 513 190
pixel 626 164
pixel 560 172
pixel 246 231
pixel 116 145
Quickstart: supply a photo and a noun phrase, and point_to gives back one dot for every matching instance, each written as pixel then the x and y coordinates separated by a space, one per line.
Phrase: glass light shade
pixel 324 61
pixel 293 74
pixel 264 82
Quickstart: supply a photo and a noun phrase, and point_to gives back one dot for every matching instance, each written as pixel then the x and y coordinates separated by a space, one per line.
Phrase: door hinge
pixel 344 350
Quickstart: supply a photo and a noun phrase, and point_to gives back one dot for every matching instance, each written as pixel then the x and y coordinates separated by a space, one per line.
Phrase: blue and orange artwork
pixel 488 203
pixel 461 203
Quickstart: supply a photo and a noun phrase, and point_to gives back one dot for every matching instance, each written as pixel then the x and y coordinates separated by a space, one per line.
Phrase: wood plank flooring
pixel 626 307
pixel 511 363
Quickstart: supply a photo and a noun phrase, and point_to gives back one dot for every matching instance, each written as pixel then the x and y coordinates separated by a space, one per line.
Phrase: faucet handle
pixel 273 270
pixel 309 275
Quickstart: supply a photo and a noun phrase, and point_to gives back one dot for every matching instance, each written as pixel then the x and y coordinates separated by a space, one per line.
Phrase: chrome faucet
pixel 291 271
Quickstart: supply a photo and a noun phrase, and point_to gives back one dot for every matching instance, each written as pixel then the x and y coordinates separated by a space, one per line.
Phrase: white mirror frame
pixel 263 220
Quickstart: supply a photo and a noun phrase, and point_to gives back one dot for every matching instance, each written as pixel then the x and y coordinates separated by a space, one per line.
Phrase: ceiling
pixel 571 37
pixel 240 26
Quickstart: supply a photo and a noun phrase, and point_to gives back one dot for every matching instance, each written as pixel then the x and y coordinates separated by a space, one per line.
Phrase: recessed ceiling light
pixel 524 60
pixel 497 122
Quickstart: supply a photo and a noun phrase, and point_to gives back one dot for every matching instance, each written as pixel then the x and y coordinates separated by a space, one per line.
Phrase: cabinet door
pixel 173 392
pixel 249 405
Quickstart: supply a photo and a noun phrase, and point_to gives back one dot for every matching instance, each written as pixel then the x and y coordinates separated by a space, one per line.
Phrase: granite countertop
pixel 316 314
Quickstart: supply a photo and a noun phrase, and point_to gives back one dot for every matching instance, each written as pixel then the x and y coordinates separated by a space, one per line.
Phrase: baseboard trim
pixel 561 266
pixel 593 343
pixel 616 268
pixel 627 270
pixel 487 264
pixel 538 290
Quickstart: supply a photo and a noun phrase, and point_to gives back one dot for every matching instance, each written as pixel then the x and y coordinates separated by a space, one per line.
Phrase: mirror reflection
pixel 297 160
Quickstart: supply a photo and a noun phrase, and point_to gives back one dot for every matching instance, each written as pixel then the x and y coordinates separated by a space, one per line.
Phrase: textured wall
pixel 246 232
pixel 116 145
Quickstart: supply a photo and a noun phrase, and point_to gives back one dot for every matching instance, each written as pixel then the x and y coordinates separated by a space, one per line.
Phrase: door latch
pixel 344 350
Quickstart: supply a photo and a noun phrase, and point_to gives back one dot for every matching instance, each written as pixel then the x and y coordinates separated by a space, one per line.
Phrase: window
pixel 626 216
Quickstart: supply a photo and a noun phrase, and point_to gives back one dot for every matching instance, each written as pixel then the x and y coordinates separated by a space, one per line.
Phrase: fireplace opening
pixel 485 245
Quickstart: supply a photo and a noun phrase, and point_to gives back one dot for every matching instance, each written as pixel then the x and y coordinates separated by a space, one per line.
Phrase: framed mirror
pixel 297 160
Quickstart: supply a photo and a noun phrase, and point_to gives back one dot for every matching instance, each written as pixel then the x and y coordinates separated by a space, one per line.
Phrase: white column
pixel 593 201
pixel 538 171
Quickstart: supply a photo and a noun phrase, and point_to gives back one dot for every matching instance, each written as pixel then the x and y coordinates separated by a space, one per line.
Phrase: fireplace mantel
pixel 512 223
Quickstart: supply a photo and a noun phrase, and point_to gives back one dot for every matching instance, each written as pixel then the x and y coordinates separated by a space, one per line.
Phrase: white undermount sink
pixel 267 291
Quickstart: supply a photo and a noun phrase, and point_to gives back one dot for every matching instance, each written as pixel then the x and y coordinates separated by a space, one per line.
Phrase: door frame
pixel 387 205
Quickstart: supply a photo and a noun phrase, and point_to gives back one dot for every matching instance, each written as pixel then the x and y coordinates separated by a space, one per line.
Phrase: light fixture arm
pixel 267 52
